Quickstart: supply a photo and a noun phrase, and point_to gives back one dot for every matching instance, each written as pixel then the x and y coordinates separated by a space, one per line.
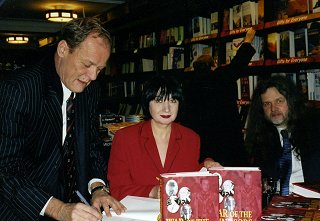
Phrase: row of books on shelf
pixel 204 26
pixel 172 35
pixel 307 82
pixel 250 13
pixel 143 65
pixel 130 112
pixel 123 88
pixel 233 46
pixel 290 8
pixel 245 14
pixel 174 59
pixel 147 40
pixel 300 42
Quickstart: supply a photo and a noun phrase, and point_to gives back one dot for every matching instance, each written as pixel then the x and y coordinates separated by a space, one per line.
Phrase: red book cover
pixel 294 208
pixel 189 196
pixel 240 194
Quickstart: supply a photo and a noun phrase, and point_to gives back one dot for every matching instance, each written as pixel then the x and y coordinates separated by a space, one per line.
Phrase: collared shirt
pixel 66 95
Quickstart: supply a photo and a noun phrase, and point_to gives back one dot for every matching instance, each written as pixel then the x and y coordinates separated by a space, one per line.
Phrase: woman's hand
pixel 211 163
pixel 155 192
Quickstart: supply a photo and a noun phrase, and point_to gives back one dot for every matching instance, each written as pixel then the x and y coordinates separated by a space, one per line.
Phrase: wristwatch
pixel 103 188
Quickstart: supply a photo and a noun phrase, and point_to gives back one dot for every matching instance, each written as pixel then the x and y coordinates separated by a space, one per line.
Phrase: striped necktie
pixel 69 153
pixel 285 163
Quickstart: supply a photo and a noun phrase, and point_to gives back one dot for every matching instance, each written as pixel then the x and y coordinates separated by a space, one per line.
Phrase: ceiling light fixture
pixel 17 40
pixel 61 15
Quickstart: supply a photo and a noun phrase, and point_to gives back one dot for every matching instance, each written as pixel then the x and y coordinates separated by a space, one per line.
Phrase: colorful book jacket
pixel 240 194
pixel 189 196
pixel 294 208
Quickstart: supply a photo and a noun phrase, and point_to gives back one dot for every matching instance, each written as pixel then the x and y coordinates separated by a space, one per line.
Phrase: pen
pixel 82 198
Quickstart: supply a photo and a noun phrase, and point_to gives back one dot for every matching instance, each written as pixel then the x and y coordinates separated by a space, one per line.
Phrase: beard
pixel 278 118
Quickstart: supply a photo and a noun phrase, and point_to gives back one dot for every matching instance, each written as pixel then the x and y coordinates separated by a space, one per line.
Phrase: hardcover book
pixel 249 13
pixel 315 6
pixel 297 7
pixel 189 196
pixel 313 32
pixel 286 44
pixel 307 190
pixel 214 23
pixel 273 46
pixel 300 42
pixel 260 11
pixel 237 16
pixel 240 194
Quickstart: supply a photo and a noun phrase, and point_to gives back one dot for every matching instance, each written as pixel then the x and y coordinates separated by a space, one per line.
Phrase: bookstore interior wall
pixel 167 37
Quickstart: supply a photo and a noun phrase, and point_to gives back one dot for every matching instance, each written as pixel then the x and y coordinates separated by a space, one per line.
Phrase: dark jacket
pixel 31 141
pixel 306 138
pixel 211 110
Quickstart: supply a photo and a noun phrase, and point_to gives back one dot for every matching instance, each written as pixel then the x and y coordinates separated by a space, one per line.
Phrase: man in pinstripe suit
pixel 33 127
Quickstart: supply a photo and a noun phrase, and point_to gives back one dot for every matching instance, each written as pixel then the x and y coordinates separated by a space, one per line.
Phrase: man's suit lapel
pixel 53 97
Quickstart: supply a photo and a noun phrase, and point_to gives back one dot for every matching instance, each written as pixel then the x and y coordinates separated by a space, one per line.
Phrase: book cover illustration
pixel 313 33
pixel 315 6
pixel 240 194
pixel 297 7
pixel 300 42
pixel 237 16
pixel 214 22
pixel 192 196
pixel 286 44
pixel 273 46
pixel 260 11
pixel 248 13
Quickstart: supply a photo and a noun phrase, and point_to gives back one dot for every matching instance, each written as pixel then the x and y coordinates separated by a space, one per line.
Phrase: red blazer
pixel 134 163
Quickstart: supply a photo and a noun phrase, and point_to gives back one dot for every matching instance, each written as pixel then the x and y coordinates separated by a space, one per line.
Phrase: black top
pixel 211 110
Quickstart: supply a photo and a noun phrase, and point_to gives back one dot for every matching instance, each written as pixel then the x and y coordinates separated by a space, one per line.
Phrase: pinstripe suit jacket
pixel 31 141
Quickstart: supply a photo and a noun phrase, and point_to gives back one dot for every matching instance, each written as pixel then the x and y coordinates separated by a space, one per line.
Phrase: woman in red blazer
pixel 140 153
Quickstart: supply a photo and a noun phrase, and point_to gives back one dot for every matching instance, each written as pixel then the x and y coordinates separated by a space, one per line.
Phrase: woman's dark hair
pixel 76 31
pixel 160 87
